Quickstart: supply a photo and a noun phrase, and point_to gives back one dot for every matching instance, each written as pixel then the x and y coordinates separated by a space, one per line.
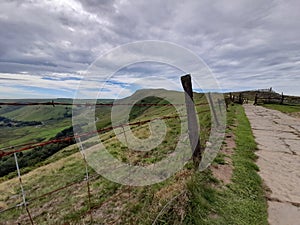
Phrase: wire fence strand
pixel 69 138
pixel 22 190
pixel 9 150
pixel 52 103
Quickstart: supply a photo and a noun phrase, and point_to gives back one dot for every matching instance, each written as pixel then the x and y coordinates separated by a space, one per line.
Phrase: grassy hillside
pixel 50 122
pixel 63 168
pixel 187 197
pixel 53 120
pixel 18 127
pixel 39 113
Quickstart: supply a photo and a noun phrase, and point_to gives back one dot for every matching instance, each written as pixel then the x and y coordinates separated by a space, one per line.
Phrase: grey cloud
pixel 239 39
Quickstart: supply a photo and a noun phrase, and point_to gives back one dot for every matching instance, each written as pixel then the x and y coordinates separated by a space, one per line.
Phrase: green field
pixel 53 121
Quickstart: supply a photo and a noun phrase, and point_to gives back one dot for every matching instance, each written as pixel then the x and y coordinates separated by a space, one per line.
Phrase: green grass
pixel 64 167
pixel 202 200
pixel 69 204
pixel 39 113
pixel 54 119
pixel 283 108
pixel 240 202
pixel 20 135
pixel 220 159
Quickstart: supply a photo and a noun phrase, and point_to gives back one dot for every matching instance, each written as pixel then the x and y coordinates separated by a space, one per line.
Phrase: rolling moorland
pixel 229 192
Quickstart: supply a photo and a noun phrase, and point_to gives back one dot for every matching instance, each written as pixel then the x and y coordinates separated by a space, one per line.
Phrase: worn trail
pixel 278 139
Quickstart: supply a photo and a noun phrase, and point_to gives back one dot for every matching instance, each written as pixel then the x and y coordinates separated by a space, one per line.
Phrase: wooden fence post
pixel 211 103
pixel 220 105
pixel 255 100
pixel 282 98
pixel 186 82
pixel 241 99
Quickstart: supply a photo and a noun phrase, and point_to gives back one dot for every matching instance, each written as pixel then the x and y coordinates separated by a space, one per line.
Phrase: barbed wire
pixel 30 200
pixel 29 146
pixel 52 103
pixel 33 145
pixel 91 177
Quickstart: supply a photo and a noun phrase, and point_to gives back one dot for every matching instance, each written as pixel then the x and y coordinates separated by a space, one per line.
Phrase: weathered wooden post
pixel 227 102
pixel 186 82
pixel 282 98
pixel 240 98
pixel 220 105
pixel 255 99
pixel 211 103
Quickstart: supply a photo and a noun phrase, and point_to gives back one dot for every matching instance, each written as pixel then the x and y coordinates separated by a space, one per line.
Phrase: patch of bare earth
pixel 223 172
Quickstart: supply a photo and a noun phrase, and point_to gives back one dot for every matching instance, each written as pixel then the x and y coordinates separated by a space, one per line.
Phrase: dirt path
pixel 278 139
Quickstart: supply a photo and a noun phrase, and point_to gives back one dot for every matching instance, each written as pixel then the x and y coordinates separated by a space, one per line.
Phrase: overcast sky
pixel 45 46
